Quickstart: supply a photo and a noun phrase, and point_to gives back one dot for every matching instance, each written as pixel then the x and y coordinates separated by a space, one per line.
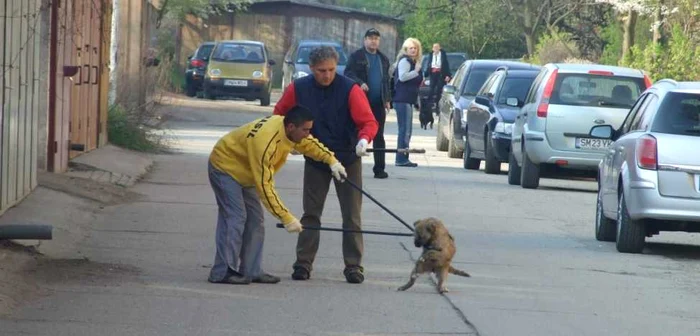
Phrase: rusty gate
pixel 79 49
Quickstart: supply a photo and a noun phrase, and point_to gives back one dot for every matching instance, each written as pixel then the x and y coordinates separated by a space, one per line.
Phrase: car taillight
pixel 647 155
pixel 544 104
pixel 197 63
pixel 601 73
pixel 647 81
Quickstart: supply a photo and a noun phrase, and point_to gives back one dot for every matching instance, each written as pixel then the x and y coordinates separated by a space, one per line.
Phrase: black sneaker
pixel 354 274
pixel 381 175
pixel 266 279
pixel 301 273
pixel 407 164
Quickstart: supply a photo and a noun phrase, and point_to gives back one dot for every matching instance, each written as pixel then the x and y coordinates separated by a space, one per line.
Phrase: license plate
pixel 232 82
pixel 589 143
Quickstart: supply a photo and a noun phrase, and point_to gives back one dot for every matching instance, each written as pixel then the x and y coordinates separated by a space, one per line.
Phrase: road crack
pixel 454 306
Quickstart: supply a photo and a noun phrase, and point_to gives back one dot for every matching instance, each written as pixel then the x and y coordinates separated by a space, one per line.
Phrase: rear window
pixel 238 52
pixel 515 88
pixel 303 55
pixel 204 51
pixel 679 113
pixel 475 79
pixel 596 90
pixel 455 61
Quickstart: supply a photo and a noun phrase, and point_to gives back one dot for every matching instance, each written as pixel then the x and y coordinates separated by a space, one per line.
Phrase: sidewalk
pixel 69 202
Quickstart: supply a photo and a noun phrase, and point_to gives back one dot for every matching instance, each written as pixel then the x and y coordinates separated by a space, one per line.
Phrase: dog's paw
pixel 402 289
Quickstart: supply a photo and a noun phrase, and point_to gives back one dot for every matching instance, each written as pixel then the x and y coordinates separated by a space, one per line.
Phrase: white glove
pixel 361 148
pixel 338 172
pixel 294 226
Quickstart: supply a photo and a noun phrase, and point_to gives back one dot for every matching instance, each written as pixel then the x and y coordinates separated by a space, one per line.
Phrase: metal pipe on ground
pixel 27 231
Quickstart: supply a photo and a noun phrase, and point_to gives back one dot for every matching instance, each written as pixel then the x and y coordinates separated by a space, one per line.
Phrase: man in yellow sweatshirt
pixel 241 169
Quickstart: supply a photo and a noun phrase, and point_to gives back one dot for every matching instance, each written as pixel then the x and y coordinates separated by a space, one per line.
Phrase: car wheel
pixel 513 170
pixel 265 100
pixel 441 142
pixel 190 90
pixel 630 233
pixel 491 164
pixel 470 163
pixel 452 151
pixel 530 173
pixel 605 228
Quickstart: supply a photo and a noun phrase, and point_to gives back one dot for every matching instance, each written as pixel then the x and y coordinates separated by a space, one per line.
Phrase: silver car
pixel 650 176
pixel 550 133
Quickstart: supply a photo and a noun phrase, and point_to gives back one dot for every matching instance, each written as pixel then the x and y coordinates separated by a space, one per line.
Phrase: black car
pixel 196 67
pixel 490 117
pixel 455 60
pixel 456 97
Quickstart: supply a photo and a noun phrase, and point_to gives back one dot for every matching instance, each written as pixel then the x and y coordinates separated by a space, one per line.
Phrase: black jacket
pixel 357 68
pixel 444 65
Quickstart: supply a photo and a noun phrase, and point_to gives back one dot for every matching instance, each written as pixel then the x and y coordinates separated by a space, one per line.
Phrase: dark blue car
pixel 456 97
pixel 491 114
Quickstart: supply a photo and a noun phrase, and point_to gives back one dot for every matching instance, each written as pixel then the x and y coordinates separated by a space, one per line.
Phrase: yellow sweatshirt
pixel 254 152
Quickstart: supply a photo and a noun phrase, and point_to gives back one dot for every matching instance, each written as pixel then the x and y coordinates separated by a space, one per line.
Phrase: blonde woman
pixel 407 79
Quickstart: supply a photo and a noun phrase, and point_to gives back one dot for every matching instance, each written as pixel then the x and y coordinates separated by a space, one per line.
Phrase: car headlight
pixel 300 74
pixel 214 72
pixel 257 74
pixel 502 127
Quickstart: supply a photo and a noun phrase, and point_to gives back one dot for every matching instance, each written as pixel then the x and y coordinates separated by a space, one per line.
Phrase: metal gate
pixel 20 76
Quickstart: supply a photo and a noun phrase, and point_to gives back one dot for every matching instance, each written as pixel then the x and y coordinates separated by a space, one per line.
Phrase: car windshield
pixel 239 53
pixel 455 61
pixel 303 55
pixel 515 88
pixel 679 113
pixel 475 79
pixel 596 90
pixel 204 51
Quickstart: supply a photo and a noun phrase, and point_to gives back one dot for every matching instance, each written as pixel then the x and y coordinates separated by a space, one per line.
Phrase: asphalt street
pixel 535 264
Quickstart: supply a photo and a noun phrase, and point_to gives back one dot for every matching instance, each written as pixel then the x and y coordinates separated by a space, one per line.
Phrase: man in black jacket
pixel 370 69
pixel 438 71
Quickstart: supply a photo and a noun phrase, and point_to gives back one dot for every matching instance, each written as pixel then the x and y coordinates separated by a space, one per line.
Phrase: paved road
pixel 536 267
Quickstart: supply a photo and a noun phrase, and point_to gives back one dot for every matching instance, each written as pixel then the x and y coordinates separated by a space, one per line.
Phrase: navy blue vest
pixel 333 125
pixel 406 92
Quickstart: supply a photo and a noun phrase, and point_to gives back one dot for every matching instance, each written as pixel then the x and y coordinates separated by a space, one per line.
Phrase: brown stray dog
pixel 438 250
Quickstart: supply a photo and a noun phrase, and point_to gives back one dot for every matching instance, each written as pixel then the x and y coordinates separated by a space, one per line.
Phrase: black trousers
pixel 437 81
pixel 379 157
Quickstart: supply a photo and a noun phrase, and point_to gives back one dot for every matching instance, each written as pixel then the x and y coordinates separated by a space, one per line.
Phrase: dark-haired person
pixel 343 121
pixel 241 169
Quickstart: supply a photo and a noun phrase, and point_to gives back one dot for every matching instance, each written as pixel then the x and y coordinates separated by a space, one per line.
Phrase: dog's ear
pixel 430 227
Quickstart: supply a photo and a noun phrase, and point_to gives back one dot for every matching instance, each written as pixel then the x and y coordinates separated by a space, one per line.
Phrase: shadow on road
pixel 673 251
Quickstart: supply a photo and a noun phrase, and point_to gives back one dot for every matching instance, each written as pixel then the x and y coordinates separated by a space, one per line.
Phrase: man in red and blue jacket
pixel 342 119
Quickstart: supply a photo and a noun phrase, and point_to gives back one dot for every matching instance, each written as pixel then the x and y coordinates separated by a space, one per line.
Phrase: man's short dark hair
pixel 298 115
pixel 372 32
pixel 321 54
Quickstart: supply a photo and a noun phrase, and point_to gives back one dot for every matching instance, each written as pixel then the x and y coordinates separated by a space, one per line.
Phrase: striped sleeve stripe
pixel 262 176
pixel 321 148
pixel 279 202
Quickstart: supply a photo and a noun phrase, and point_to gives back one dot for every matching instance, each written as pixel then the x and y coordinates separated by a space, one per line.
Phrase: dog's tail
pixel 459 272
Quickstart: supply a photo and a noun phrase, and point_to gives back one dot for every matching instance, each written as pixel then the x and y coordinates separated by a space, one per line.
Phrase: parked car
pixel 650 175
pixel 196 68
pixel 491 115
pixel 456 97
pixel 296 60
pixel 239 69
pixel 550 134
pixel 455 60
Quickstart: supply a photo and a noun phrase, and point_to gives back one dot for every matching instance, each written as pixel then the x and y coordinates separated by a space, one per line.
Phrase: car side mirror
pixel 602 132
pixel 481 100
pixel 449 89
pixel 512 101
pixel 271 62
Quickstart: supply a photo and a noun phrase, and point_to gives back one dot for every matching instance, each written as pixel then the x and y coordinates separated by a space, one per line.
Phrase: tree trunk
pixel 629 23
pixel 658 17
pixel 529 30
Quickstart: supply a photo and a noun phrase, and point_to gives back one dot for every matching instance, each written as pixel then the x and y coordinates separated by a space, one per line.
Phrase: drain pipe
pixel 29 231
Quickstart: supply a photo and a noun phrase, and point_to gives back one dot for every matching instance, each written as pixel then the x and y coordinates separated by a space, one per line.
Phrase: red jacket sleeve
pixel 288 100
pixel 361 114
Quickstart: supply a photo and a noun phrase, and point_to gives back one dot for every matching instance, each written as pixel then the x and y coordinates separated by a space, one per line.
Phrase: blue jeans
pixel 404 116
pixel 239 230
